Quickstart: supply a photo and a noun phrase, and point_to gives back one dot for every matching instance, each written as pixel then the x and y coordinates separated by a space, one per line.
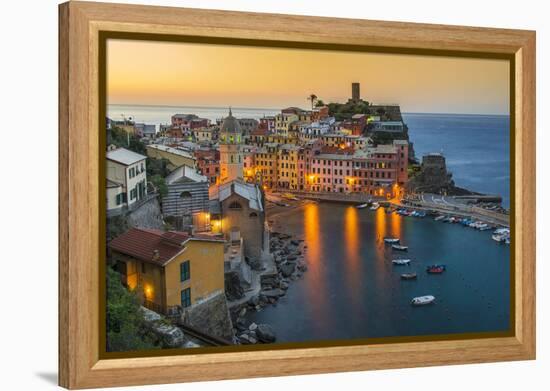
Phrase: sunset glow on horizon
pixel 184 74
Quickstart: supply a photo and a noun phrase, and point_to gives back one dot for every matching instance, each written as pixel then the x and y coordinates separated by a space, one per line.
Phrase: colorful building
pixel 126 178
pixel 176 157
pixel 287 166
pixel 170 271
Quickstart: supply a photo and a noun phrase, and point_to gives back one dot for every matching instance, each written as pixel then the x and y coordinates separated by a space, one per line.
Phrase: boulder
pixel 233 288
pixel 254 301
pixel 240 324
pixel 273 293
pixel 287 269
pixel 253 326
pixel 265 333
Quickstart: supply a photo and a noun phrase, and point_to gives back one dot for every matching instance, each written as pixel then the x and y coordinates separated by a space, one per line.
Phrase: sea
pixel 352 290
pixel 476 147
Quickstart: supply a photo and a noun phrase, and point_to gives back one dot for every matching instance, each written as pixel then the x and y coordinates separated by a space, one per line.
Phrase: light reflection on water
pixel 351 289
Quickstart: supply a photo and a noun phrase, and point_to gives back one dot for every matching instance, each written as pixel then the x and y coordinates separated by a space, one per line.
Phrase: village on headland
pixel 190 244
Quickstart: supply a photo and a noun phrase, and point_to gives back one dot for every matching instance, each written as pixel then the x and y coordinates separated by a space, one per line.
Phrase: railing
pixel 151 305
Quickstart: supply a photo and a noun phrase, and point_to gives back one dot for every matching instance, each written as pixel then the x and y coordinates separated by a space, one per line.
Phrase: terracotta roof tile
pixel 142 243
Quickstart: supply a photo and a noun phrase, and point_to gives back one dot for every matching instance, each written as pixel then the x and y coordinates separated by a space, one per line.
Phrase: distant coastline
pixel 278 109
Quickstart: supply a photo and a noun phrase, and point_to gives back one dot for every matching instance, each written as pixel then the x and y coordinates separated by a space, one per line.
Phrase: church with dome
pixel 231 157
pixel 241 204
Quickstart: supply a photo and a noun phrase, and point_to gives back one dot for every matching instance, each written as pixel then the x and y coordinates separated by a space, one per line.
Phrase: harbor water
pixel 352 290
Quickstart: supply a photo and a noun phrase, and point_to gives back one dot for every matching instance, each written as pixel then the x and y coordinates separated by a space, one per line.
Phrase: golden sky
pixel 182 74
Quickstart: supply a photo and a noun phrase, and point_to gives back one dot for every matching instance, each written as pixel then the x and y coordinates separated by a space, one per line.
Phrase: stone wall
pixel 147 215
pixel 210 316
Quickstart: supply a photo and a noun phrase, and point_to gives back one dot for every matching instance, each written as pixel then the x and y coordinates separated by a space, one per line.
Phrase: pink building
pixel 378 171
pixel 331 172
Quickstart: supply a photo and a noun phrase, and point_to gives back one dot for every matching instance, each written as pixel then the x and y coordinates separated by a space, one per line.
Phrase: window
pixel 186 297
pixel 185 271
pixel 119 198
pixel 143 269
pixel 253 214
pixel 186 194
pixel 235 205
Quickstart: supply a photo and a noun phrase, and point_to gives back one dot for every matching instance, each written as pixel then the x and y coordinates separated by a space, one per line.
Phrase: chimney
pixel 156 255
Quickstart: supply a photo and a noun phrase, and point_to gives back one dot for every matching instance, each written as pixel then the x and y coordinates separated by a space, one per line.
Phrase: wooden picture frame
pixel 81 24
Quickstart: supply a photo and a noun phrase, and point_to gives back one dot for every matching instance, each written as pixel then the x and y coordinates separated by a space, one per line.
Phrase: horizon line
pixel 278 109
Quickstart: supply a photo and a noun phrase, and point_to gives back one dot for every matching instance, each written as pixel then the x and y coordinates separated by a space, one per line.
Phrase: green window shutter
pixel 186 297
pixel 185 271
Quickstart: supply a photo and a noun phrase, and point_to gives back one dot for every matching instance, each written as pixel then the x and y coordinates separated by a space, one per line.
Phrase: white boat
pixel 391 240
pixel 398 247
pixel 401 261
pixel 499 238
pixel 441 217
pixel 500 231
pixel 362 206
pixel 375 206
pixel 423 300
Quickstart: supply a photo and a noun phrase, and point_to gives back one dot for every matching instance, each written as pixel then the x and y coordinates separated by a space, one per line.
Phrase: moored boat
pixel 362 206
pixel 423 300
pixel 391 240
pixel 436 269
pixel 401 261
pixel 399 247
pixel 440 217
pixel 500 238
pixel 375 206
pixel 500 231
pixel 408 276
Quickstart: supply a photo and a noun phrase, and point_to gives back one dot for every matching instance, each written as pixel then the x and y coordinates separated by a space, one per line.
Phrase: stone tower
pixel 231 159
pixel 355 92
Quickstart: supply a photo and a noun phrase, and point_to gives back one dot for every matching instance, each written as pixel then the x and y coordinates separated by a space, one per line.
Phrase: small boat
pixel 391 240
pixel 500 238
pixel 289 196
pixel 436 269
pixel 401 261
pixel 500 231
pixel 507 240
pixel 408 276
pixel 423 300
pixel 375 206
pixel 362 206
pixel 399 247
pixel 440 217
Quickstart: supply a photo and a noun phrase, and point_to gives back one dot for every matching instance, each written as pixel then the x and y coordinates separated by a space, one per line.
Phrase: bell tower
pixel 231 158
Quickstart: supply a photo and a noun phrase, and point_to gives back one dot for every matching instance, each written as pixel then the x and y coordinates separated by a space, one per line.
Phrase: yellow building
pixel 169 270
pixel 265 161
pixel 176 157
pixel 283 121
pixel 287 167
pixel 204 135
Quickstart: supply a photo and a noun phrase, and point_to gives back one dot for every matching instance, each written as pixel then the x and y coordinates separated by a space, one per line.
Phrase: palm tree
pixel 313 99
